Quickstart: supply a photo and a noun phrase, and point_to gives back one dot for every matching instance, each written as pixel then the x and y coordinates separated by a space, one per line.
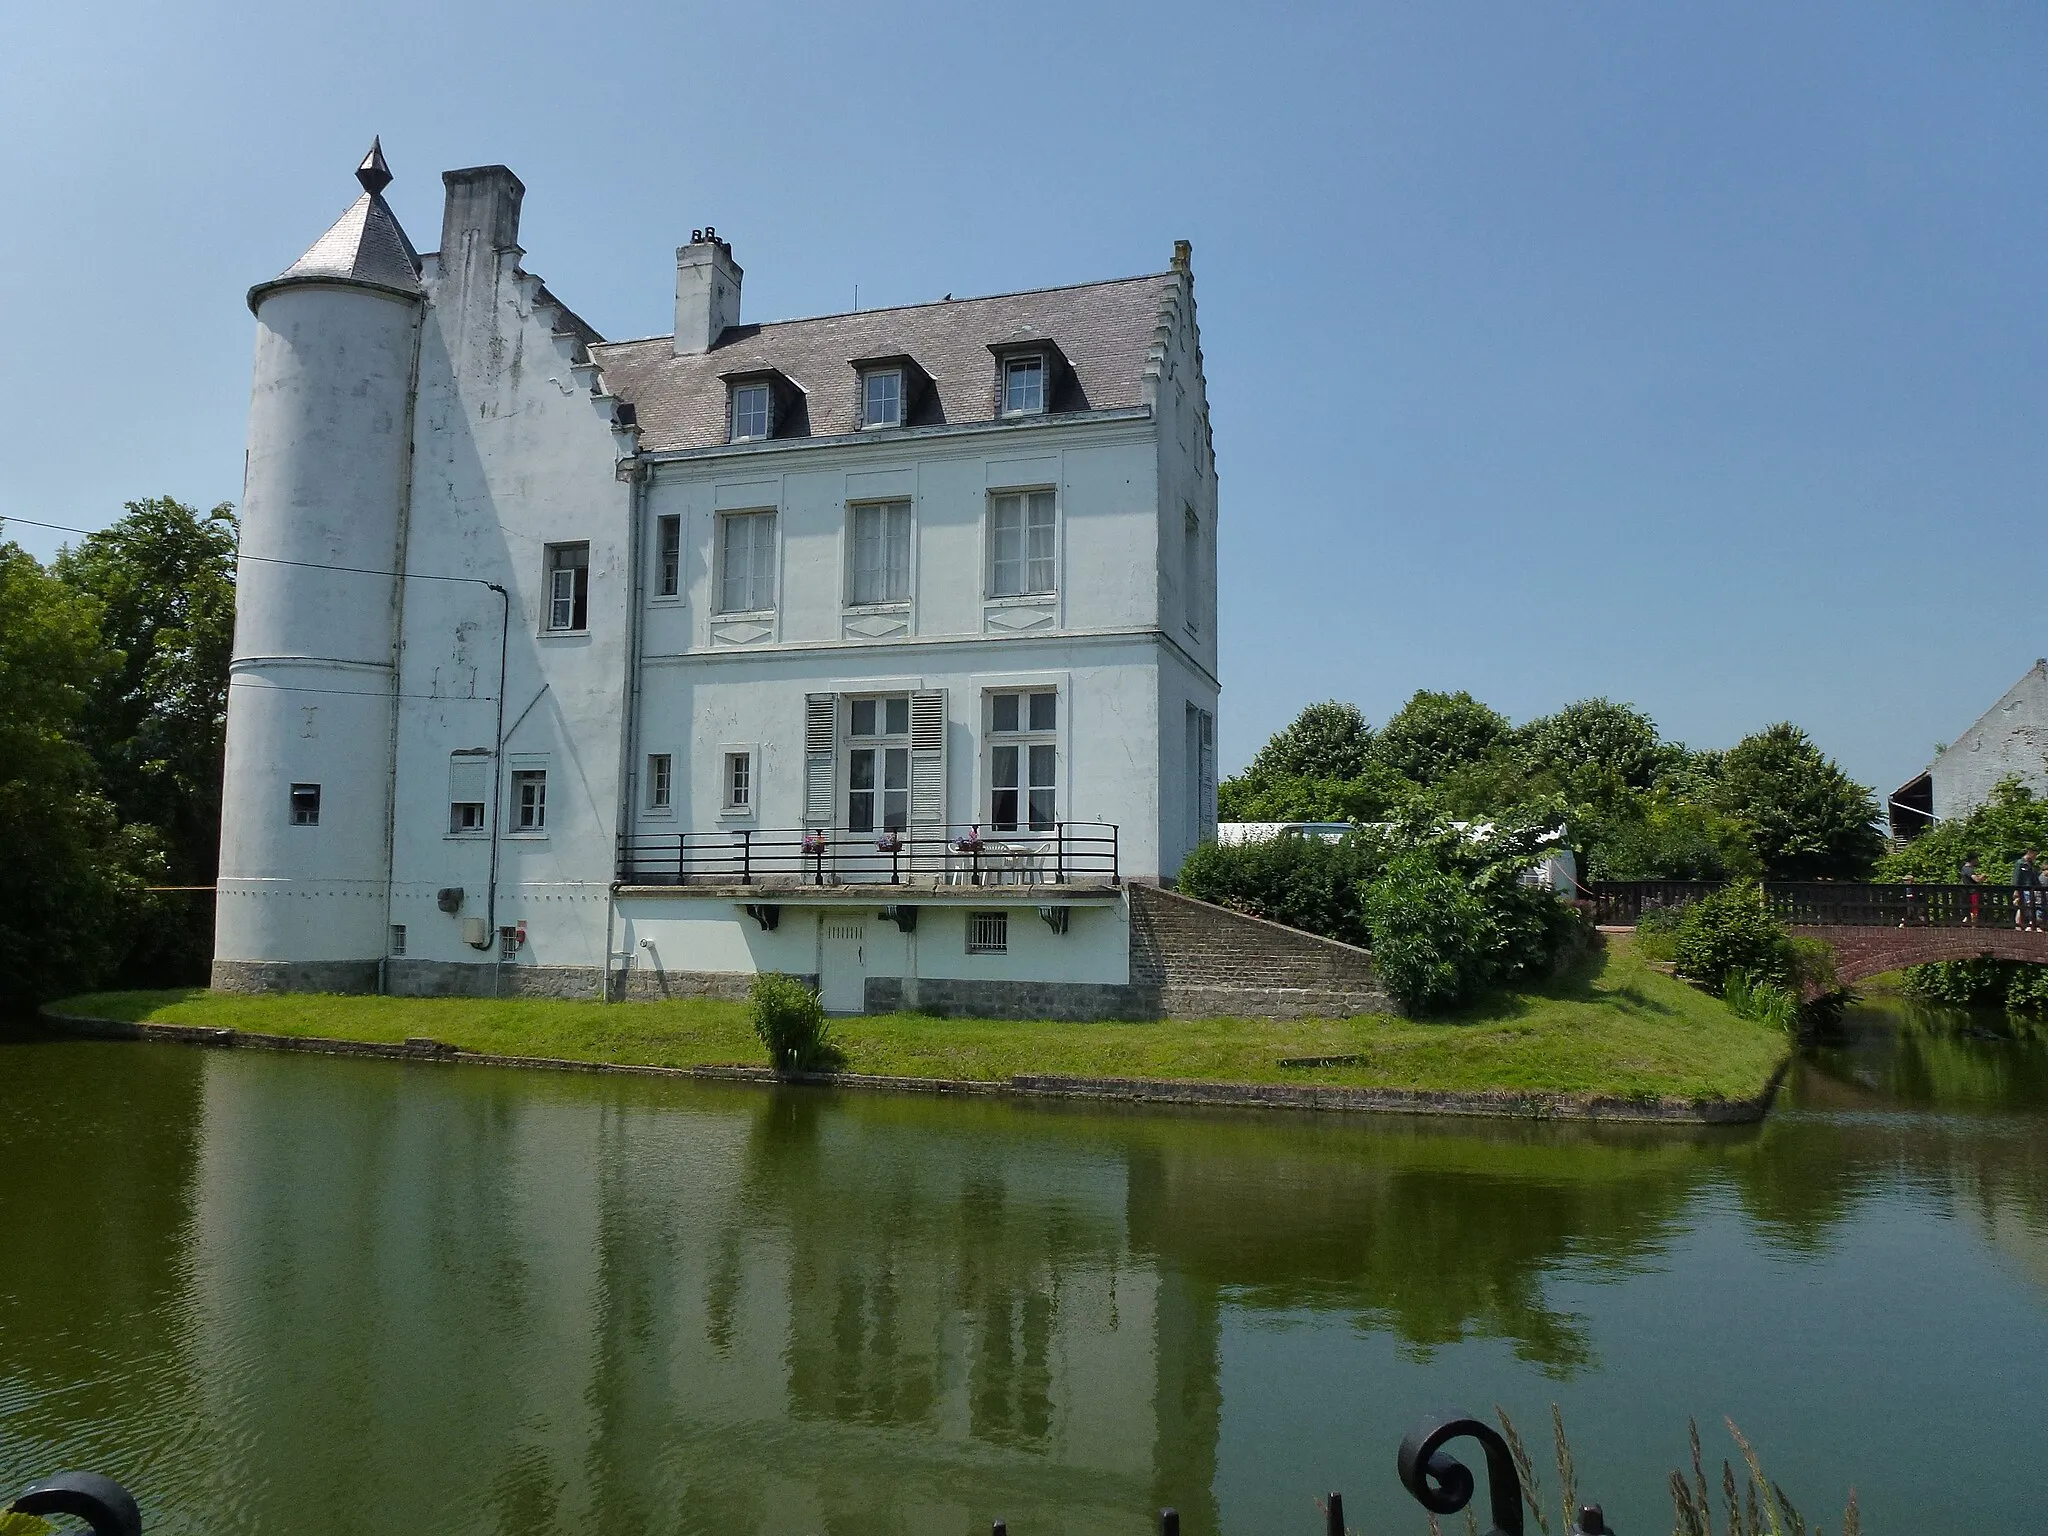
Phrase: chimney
pixel 483 202
pixel 707 291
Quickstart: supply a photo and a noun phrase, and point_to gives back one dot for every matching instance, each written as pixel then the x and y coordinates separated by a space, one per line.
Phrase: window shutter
pixel 468 779
pixel 821 725
pixel 928 758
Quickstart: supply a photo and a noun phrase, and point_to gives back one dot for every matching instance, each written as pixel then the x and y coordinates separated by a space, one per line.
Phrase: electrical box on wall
pixel 476 933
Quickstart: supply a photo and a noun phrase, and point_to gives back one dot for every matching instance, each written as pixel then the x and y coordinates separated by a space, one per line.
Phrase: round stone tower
pixel 306 804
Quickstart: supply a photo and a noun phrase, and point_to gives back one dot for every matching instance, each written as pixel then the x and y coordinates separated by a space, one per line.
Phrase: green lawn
pixel 1614 1027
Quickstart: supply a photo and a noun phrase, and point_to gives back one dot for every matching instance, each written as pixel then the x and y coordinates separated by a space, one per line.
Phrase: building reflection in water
pixel 364 1296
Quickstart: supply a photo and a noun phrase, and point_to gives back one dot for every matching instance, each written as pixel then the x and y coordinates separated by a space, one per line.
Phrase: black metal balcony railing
pixel 1065 853
pixel 1849 903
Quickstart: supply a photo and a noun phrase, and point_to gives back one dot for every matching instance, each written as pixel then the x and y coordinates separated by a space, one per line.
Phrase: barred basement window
pixel 988 933
pixel 398 938
pixel 508 943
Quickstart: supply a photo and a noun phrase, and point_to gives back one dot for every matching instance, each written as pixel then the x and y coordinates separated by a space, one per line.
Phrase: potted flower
pixel 968 841
pixel 889 841
pixel 814 843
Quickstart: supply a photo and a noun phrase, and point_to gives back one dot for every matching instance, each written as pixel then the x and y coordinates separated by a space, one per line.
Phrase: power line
pixel 309 565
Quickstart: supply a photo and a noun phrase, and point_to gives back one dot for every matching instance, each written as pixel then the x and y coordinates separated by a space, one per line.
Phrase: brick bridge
pixel 1863 951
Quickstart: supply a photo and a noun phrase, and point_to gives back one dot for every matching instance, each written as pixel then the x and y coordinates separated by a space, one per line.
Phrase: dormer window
pixel 881 397
pixel 1024 386
pixel 752 412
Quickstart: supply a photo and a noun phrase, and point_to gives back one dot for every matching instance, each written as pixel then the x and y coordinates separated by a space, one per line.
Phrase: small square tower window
pixel 305 805
pixel 988 933
pixel 752 412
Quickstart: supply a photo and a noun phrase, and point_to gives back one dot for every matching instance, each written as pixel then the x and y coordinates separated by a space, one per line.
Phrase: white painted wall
pixel 688 933
pixel 2010 738
pixel 309 696
pixel 512 456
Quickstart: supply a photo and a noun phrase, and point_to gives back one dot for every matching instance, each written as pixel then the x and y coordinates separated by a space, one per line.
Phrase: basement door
pixel 842 966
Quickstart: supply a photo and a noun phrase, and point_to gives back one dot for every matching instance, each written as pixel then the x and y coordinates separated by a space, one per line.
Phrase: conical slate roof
pixel 366 245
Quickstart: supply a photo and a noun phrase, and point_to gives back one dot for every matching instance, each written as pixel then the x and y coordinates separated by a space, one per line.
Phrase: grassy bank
pixel 1613 1027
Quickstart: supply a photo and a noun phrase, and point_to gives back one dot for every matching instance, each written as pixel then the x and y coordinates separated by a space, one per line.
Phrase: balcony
pixel 962 859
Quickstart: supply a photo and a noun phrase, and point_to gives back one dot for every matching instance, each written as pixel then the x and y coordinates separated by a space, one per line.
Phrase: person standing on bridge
pixel 1971 880
pixel 2026 891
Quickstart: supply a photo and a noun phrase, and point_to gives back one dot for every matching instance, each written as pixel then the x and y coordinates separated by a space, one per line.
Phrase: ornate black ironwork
pixel 1443 1485
pixel 99 1501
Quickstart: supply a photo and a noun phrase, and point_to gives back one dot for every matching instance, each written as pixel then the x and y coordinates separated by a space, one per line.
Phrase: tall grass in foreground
pixel 1754 1507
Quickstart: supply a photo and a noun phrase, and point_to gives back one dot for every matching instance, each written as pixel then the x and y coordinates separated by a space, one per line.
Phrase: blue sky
pixel 1695 355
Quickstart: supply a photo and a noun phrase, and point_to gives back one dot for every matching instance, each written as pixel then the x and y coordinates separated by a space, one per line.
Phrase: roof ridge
pixel 757 327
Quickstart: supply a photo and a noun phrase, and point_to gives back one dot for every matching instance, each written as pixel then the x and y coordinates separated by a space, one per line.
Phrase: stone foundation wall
pixel 645 984
pixel 458 978
pixel 953 997
pixel 294 975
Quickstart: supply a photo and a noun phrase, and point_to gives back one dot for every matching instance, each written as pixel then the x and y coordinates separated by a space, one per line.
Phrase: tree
pixel 1331 740
pixel 1995 834
pixel 1437 733
pixel 69 882
pixel 163 578
pixel 1807 818
pixel 1616 741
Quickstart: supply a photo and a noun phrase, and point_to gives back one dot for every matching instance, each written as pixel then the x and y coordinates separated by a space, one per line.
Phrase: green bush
pixel 1657 930
pixel 1728 931
pixel 1304 882
pixel 1432 941
pixel 1981 983
pixel 791 1023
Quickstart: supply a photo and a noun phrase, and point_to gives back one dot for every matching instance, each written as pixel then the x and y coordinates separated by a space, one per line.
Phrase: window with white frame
pixel 660 781
pixel 398 939
pixel 739 781
pixel 668 539
pixel 1020 544
pixel 881 397
pixel 879 568
pixel 568 572
pixel 753 412
pixel 878 764
pixel 305 805
pixel 530 800
pixel 468 784
pixel 746 562
pixel 988 933
pixel 1023 760
pixel 1023 386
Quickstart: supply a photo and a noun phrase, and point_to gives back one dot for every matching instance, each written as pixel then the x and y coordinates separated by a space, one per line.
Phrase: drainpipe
pixel 498 769
pixel 629 738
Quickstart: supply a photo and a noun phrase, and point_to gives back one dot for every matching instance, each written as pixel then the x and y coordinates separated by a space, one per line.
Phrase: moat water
pixel 288 1294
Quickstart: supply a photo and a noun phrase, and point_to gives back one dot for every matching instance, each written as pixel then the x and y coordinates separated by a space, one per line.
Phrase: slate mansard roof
pixel 1105 331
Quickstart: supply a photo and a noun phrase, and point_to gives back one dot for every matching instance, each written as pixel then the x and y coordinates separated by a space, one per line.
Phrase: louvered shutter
pixel 821 725
pixel 928 760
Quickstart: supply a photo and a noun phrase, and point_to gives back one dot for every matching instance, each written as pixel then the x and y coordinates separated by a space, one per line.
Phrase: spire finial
pixel 373 173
